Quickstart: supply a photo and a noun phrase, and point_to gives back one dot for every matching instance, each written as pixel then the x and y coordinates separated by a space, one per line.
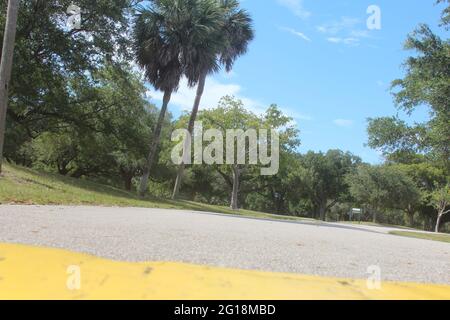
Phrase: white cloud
pixel 296 33
pixel 335 27
pixel 360 33
pixel 296 6
pixel 230 74
pixel 296 115
pixel 214 91
pixel 343 122
pixel 344 31
pixel 347 41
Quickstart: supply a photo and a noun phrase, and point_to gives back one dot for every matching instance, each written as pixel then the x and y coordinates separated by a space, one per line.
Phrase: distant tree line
pixel 79 107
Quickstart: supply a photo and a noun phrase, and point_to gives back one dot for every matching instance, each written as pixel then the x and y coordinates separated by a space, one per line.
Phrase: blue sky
pixel 320 63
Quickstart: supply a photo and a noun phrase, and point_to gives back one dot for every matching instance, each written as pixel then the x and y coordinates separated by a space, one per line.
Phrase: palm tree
pixel 222 48
pixel 163 39
pixel 157 52
pixel 7 54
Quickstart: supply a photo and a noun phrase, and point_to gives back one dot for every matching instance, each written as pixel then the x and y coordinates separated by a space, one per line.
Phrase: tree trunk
pixel 428 224
pixel 198 98
pixel 438 223
pixel 411 219
pixel 322 212
pixel 410 214
pixel 280 205
pixel 62 170
pixel 127 180
pixel 374 216
pixel 235 193
pixel 154 144
pixel 6 67
pixel 128 183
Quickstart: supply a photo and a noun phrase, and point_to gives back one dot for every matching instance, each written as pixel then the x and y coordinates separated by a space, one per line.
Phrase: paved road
pixel 183 236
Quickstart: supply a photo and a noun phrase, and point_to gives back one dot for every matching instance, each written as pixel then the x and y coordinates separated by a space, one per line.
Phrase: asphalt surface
pixel 132 234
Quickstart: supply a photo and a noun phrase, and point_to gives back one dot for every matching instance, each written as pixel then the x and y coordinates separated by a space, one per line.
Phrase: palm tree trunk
pixel 154 144
pixel 235 194
pixel 198 98
pixel 438 223
pixel 6 66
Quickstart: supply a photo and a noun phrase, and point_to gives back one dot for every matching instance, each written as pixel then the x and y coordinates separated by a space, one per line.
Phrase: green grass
pixel 372 224
pixel 427 236
pixel 20 185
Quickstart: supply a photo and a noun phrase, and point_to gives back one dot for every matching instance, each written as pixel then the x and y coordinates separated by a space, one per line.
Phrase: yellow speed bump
pixel 41 273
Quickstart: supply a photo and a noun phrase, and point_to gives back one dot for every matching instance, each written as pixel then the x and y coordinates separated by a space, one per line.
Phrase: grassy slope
pixel 20 185
pixel 427 236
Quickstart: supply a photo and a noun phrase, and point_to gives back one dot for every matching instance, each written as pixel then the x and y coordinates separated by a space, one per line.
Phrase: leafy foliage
pixel 427 82
pixel 382 187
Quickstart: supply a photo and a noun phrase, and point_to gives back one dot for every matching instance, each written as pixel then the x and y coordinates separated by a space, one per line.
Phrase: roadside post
pixel 356 211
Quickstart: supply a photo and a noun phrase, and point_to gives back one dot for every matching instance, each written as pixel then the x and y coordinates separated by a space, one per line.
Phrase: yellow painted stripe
pixel 41 273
